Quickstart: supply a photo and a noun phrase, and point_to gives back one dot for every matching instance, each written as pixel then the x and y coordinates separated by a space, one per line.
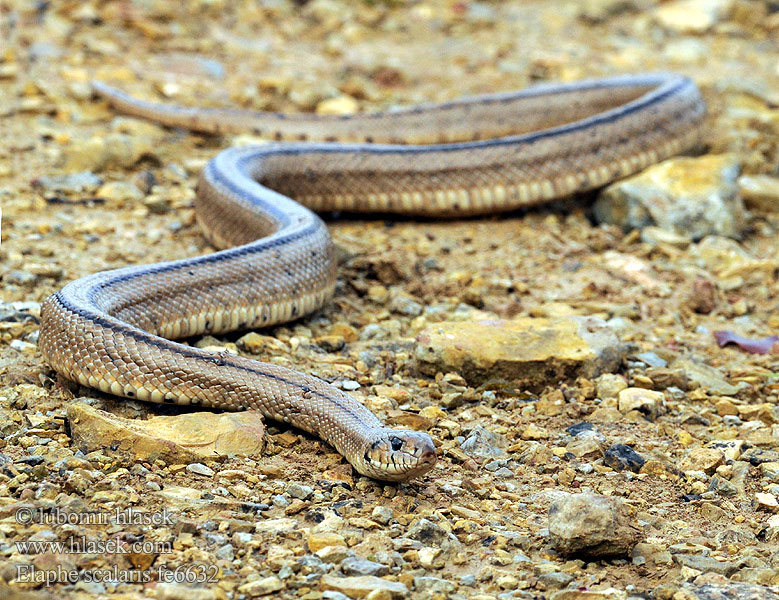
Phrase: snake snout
pixel 399 455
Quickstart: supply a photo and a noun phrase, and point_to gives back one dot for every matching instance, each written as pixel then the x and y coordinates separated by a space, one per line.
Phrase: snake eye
pixel 397 443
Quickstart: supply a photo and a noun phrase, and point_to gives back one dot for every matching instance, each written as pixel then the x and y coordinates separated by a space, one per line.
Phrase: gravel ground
pixel 645 466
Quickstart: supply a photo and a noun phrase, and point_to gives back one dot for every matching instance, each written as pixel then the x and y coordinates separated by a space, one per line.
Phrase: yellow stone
pixel 182 438
pixel 529 351
pixel 684 438
pixel 317 541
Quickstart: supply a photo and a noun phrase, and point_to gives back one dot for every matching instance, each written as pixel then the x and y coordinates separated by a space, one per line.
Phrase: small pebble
pixel 200 469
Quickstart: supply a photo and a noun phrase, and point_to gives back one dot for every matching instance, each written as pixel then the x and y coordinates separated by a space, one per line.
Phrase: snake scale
pixel 113 330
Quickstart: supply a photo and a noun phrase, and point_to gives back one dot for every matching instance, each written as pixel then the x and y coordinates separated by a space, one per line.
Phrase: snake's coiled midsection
pixel 112 330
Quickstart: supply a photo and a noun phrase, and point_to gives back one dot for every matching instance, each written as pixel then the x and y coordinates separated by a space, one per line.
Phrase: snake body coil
pixel 112 330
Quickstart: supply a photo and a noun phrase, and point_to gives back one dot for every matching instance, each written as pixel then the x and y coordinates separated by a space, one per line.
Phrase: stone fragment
pixel 732 449
pixel 158 204
pixel 44 270
pixel 599 11
pixel 767 502
pixel 610 385
pixel 607 594
pixel 760 191
pixel 382 514
pixel 119 191
pixel 333 554
pixel 651 554
pixel 731 591
pixel 19 277
pixel 534 432
pixel 200 469
pixel 355 565
pixel 434 585
pixel 632 268
pixel 186 438
pixel 302 492
pixel 727 259
pixel 703 459
pixel 276 526
pixel 255 343
pixel 428 556
pixel 703 376
pixel 105 151
pixel 692 16
pixel 593 526
pixel 623 458
pixel 432 534
pixel 702 297
pixel 360 587
pixel 483 443
pixel 333 595
pixel 656 236
pixel 226 552
pixel 19 312
pixel 530 352
pixel 340 105
pixel 179 591
pixel 261 587
pixel 9 71
pixel 645 401
pixel 705 564
pixel 317 541
pixel 587 445
pixel 330 343
pixel 84 181
pixel 692 197
pixel 404 305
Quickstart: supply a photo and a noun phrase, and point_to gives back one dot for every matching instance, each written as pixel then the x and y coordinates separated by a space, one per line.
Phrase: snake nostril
pixel 427 454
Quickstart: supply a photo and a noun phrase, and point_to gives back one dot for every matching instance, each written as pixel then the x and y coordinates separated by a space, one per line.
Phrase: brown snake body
pixel 112 330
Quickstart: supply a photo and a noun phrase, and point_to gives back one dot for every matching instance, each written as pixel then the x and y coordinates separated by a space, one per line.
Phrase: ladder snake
pixel 113 330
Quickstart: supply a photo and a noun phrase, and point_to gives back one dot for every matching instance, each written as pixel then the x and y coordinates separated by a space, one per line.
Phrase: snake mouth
pixel 399 455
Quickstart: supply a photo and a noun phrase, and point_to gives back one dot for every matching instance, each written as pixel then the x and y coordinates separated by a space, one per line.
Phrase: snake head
pixel 397 455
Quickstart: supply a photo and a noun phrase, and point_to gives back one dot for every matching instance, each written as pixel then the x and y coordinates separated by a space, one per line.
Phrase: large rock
pixel 530 352
pixel 593 526
pixel 176 439
pixel 693 197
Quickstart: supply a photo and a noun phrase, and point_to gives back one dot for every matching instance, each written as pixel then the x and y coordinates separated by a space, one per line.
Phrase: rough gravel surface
pixel 677 437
